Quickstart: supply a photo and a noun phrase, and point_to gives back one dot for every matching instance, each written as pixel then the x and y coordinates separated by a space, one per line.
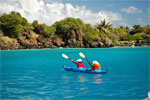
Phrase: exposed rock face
pixel 10 44
pixel 95 44
pixel 71 39
pixel 58 42
pixel 44 42
pixel 74 38
pixel 27 40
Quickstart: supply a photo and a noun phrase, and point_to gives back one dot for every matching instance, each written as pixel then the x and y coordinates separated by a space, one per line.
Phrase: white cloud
pixel 50 12
pixel 131 10
pixel 140 21
pixel 148 11
pixel 110 16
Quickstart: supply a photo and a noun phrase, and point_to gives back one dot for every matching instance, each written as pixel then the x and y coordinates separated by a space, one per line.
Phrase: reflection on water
pixel 97 78
pixel 81 78
pixel 65 78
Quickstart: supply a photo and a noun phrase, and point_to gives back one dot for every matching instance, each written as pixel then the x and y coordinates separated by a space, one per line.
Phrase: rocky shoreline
pixel 30 40
pixel 73 39
pixel 17 33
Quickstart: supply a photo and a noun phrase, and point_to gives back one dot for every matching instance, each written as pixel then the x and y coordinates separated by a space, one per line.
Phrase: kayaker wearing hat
pixel 80 66
pixel 95 66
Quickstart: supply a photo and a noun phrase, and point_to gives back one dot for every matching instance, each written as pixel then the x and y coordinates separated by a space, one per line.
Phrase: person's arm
pixel 90 63
pixel 83 66
pixel 74 62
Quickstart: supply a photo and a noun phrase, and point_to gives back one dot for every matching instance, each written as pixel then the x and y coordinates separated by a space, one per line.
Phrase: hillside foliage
pixel 13 24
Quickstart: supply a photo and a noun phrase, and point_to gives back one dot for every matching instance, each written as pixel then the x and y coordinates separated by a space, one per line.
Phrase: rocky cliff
pixel 29 40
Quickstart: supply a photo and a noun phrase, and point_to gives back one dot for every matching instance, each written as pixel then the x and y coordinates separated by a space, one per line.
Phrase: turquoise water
pixel 39 75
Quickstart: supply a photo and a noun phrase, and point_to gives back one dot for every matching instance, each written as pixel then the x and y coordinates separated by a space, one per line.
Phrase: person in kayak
pixel 95 66
pixel 79 64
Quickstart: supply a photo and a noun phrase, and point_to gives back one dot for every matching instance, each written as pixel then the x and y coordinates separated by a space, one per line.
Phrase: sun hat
pixel 149 94
pixel 79 60
pixel 95 62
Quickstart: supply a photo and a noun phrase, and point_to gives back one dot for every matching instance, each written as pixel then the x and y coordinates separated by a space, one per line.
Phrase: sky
pixel 117 12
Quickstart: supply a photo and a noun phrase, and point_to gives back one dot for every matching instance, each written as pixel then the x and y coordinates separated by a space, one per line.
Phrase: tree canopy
pixel 68 24
pixel 43 29
pixel 13 24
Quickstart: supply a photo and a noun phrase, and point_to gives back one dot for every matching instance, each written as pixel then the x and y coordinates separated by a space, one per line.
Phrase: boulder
pixel 8 43
pixel 73 38
pixel 94 44
pixel 58 42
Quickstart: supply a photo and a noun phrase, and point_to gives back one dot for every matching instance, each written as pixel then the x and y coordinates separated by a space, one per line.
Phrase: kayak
pixel 103 71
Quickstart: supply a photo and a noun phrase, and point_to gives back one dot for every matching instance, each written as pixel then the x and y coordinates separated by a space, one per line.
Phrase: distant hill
pixel 17 33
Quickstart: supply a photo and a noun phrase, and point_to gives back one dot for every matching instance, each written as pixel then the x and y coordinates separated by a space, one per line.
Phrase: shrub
pixel 13 24
pixel 137 36
pixel 68 24
pixel 43 29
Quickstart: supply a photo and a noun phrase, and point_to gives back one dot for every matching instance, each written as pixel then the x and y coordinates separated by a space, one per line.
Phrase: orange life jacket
pixel 97 66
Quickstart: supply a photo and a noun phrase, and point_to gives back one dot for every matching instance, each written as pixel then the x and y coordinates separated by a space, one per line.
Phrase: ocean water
pixel 39 74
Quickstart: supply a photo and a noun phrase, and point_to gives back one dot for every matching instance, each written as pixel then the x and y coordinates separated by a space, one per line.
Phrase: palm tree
pixel 121 27
pixel 136 29
pixel 103 26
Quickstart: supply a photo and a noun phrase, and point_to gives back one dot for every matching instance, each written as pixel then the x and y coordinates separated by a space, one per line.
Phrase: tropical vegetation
pixel 13 24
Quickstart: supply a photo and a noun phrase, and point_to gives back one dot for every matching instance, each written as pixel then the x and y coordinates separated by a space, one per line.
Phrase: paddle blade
pixel 65 56
pixel 82 55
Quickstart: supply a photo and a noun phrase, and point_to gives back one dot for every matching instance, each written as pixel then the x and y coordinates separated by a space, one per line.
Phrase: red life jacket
pixel 97 66
pixel 78 64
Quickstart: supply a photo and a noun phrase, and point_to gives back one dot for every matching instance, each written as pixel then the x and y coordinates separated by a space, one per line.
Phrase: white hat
pixel 79 60
pixel 149 94
pixel 95 62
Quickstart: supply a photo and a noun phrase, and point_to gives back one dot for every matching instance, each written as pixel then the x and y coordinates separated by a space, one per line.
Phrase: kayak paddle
pixel 82 55
pixel 65 56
